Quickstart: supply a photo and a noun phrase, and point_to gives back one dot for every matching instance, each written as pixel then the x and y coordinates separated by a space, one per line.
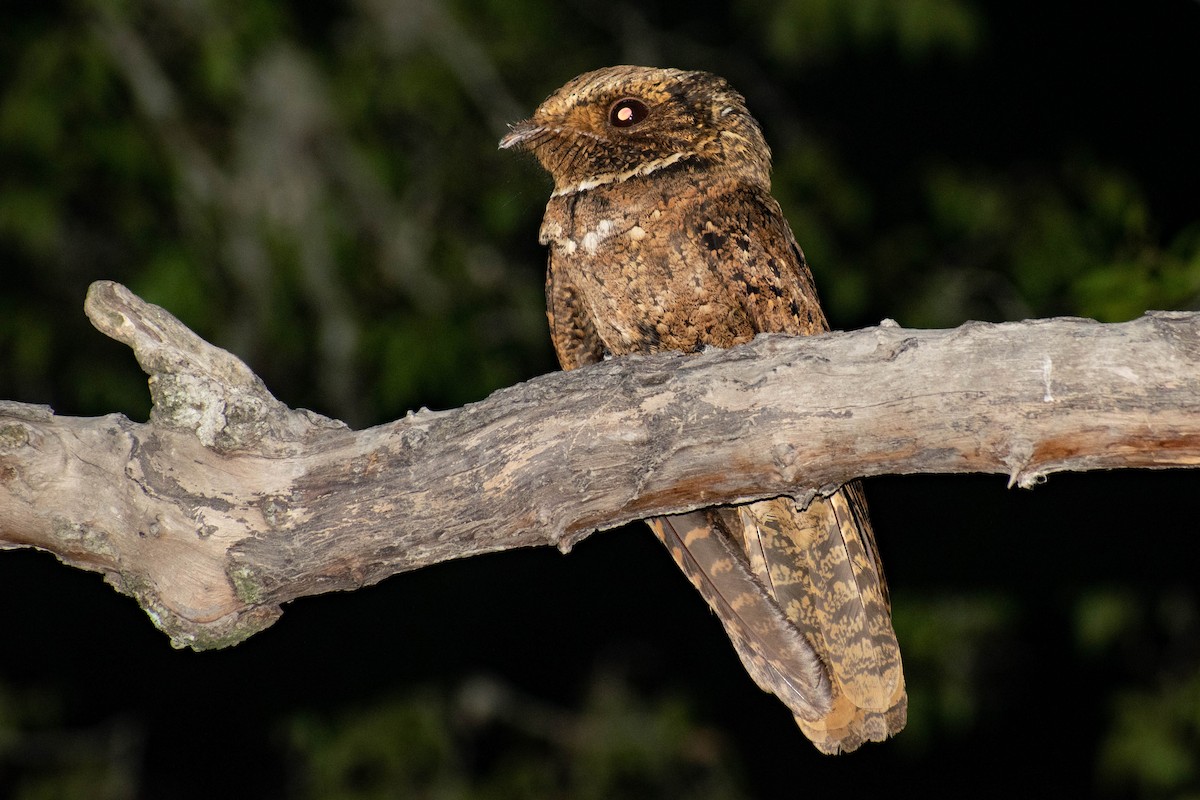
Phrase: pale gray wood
pixel 228 503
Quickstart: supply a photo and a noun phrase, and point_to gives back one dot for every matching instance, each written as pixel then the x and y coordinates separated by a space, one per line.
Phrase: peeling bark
pixel 227 503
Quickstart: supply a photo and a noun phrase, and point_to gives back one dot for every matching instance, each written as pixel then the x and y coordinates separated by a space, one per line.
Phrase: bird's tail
pixel 805 583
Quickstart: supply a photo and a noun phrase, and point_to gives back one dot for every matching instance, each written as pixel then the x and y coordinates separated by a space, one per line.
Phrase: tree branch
pixel 227 503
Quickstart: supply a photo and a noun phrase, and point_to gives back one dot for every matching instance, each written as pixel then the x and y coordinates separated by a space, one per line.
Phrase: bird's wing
pixel 819 565
pixel 571 329
pixel 758 259
pixel 773 651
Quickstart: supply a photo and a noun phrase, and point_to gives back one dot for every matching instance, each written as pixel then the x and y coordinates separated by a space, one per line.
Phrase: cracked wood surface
pixel 227 503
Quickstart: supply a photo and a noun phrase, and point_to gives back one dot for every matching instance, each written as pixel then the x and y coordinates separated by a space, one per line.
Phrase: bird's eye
pixel 627 113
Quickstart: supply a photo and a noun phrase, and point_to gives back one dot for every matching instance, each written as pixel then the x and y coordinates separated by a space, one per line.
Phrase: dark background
pixel 315 186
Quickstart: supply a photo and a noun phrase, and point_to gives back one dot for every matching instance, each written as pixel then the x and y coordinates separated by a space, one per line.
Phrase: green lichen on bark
pixel 86 537
pixel 224 632
pixel 245 584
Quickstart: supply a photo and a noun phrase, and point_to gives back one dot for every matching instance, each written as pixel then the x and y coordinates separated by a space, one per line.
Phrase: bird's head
pixel 623 123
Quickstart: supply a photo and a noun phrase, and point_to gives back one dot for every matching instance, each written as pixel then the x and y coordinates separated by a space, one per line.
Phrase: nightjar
pixel 663 235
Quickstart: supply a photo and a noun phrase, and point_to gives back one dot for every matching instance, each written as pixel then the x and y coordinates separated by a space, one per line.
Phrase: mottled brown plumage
pixel 663 235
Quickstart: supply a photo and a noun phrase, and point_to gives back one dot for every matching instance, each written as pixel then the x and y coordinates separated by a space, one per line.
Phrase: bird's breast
pixel 636 258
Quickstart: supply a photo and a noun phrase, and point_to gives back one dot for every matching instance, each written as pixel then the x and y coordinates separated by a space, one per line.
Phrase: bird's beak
pixel 519 133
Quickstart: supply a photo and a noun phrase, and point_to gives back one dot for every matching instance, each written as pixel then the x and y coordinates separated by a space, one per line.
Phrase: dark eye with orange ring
pixel 627 113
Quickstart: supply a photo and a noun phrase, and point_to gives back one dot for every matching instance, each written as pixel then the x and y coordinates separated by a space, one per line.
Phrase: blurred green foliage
pixel 316 187
pixel 42 760
pixel 1153 743
pixel 800 32
pixel 438 745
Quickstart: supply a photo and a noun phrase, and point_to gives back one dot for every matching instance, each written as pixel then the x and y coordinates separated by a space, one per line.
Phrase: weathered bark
pixel 227 503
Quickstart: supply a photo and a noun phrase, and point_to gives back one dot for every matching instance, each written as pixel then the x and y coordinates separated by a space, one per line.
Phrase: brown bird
pixel 663 235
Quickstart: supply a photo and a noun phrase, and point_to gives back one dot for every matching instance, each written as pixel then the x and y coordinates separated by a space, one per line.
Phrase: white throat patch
pixel 618 177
